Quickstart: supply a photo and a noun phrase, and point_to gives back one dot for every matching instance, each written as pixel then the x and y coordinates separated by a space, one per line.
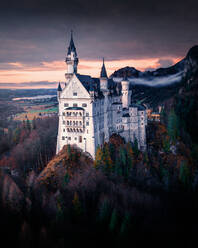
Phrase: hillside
pixel 154 87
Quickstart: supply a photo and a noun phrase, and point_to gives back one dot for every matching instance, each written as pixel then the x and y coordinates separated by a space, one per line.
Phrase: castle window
pixel 75 138
pixel 67 122
pixel 80 139
pixel 84 105
pixel 74 93
pixel 87 123
pixel 63 138
pixel 75 105
pixel 87 114
pixel 63 130
pixel 69 138
pixel 66 104
pixel 63 122
pixel 63 113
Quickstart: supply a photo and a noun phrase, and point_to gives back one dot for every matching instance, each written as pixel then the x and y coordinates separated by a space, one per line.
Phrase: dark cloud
pixel 38 30
pixel 165 62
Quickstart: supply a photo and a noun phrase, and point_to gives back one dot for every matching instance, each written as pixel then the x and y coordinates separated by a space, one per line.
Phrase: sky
pixel 145 34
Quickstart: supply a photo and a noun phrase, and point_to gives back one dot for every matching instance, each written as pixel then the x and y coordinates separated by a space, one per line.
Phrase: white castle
pixel 92 109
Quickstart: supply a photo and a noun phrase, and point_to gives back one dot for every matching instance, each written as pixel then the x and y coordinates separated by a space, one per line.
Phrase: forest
pixel 49 200
pixel 125 197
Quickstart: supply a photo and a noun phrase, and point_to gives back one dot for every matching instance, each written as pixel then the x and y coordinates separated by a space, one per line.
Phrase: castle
pixel 92 109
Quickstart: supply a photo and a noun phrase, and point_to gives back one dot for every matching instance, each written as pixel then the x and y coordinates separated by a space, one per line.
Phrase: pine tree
pixel 107 161
pixel 125 225
pixel 113 221
pixel 166 144
pixel 104 211
pixel 135 147
pixel 118 167
pixel 173 126
pixel 184 174
pixel 66 178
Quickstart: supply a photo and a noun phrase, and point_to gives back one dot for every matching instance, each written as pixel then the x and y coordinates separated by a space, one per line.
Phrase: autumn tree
pixel 76 205
pixel 99 158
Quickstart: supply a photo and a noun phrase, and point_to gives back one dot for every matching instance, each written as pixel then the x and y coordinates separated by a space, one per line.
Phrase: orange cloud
pixel 54 71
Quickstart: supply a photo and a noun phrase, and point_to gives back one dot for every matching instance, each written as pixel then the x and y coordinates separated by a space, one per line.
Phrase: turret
pixel 103 78
pixel 91 91
pixel 126 93
pixel 71 59
pixel 59 90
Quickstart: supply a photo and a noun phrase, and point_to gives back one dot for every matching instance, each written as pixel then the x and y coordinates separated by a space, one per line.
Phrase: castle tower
pixel 71 59
pixel 126 93
pixel 103 78
pixel 59 90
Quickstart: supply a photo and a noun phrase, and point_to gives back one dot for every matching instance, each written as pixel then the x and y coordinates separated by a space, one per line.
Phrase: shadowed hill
pixel 65 165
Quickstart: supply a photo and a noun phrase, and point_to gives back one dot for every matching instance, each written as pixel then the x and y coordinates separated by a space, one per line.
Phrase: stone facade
pixel 92 109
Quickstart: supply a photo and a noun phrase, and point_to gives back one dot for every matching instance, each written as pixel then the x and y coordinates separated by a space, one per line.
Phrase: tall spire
pixel 103 72
pixel 71 58
pixel 71 47
pixel 59 87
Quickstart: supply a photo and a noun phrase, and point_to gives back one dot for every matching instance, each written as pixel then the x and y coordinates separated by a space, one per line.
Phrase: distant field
pixel 35 113
pixel 55 109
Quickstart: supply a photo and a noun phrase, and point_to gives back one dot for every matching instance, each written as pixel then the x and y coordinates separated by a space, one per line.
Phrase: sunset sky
pixel 34 36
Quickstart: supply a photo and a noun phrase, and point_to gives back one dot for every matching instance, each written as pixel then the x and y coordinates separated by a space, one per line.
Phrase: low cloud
pixel 155 81
pixel 158 81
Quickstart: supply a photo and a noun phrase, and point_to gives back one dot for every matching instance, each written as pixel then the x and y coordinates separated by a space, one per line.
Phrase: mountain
pixel 154 87
pixel 190 62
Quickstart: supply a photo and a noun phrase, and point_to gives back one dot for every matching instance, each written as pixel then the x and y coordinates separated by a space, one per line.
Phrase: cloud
pixel 158 81
pixel 165 62
pixel 39 84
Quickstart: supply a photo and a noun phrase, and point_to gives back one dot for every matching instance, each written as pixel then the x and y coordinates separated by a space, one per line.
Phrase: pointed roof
pixel 103 72
pixel 71 47
pixel 59 87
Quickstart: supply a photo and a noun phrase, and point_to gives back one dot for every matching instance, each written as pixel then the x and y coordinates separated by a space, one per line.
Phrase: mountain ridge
pixel 189 62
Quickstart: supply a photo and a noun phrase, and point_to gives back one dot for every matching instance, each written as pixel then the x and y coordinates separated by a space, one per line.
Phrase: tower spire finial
pixel 103 70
